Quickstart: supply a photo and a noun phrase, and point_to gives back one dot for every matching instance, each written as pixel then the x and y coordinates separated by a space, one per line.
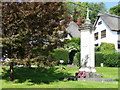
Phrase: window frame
pixel 103 33
pixel 97 44
pixel 118 32
pixel 96 36
pixel 100 22
pixel 118 45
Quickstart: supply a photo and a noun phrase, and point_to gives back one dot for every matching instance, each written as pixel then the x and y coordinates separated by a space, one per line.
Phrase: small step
pixel 96 79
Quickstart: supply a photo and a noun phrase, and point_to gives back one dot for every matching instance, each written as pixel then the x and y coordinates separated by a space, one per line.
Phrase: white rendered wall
pixel 111 36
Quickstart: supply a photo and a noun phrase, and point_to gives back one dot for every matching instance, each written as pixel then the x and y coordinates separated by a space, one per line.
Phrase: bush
pixel 76 60
pixel 75 40
pixel 98 58
pixel 107 47
pixel 118 59
pixel 107 55
pixel 60 54
pixel 97 48
pixel 111 59
pixel 73 44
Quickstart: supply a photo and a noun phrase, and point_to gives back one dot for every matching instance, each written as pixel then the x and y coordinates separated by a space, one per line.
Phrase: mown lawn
pixel 50 78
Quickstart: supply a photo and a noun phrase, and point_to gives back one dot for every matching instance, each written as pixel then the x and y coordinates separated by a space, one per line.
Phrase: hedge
pixel 110 59
pixel 98 58
pixel 107 47
pixel 118 59
pixel 60 54
pixel 105 53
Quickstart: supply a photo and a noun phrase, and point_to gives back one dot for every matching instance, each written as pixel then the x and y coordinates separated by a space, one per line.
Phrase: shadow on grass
pixel 35 75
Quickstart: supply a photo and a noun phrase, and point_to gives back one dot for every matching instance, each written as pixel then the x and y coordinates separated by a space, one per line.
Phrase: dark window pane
pixel 99 23
pixel 96 44
pixel 118 32
pixel 119 46
pixel 103 33
pixel 96 36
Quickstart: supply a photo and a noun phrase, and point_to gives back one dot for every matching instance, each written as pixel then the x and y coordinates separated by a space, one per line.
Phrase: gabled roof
pixel 72 30
pixel 112 21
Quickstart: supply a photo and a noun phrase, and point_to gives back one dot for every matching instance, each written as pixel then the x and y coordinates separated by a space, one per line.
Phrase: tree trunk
pixel 11 71
pixel 38 64
pixel 28 64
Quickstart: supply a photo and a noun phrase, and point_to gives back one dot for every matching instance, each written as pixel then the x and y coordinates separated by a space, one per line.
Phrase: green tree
pixel 73 47
pixel 95 9
pixel 78 10
pixel 31 30
pixel 73 44
pixel 115 10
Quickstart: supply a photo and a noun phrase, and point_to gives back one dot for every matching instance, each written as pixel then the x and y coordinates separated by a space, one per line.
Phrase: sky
pixel 108 3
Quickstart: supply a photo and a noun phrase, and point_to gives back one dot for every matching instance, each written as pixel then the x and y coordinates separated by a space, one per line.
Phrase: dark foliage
pixel 35 75
pixel 60 54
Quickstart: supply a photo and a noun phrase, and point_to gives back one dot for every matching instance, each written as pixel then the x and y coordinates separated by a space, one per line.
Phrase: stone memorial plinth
pixel 96 79
pixel 87 49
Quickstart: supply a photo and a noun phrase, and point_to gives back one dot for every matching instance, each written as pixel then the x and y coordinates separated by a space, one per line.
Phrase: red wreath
pixel 81 75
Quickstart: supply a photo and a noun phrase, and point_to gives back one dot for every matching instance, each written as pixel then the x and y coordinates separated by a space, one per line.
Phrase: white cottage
pixel 107 30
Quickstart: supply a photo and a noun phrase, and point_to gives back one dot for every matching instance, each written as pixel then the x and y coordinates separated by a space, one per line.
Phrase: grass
pixel 62 84
pixel 108 72
pixel 49 78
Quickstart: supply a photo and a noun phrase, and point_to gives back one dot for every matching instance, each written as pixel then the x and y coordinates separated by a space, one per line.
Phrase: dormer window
pixel 99 23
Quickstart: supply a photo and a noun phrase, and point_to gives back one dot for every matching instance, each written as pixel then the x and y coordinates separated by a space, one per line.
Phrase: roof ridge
pixel 113 15
pixel 110 20
pixel 108 14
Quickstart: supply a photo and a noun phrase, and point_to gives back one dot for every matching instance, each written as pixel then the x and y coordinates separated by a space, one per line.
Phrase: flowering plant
pixel 81 75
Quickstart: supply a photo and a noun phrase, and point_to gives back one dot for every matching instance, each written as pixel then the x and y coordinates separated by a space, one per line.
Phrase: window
pixel 103 33
pixel 99 23
pixel 118 32
pixel 96 44
pixel 118 44
pixel 96 36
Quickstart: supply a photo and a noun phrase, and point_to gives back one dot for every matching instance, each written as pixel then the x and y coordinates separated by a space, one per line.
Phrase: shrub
pixel 118 59
pixel 106 54
pixel 75 40
pixel 60 54
pixel 98 58
pixel 76 60
pixel 107 47
pixel 73 44
pixel 111 59
pixel 97 48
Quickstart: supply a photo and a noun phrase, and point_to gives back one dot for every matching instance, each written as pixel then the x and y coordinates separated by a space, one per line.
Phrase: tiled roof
pixel 112 21
pixel 72 29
